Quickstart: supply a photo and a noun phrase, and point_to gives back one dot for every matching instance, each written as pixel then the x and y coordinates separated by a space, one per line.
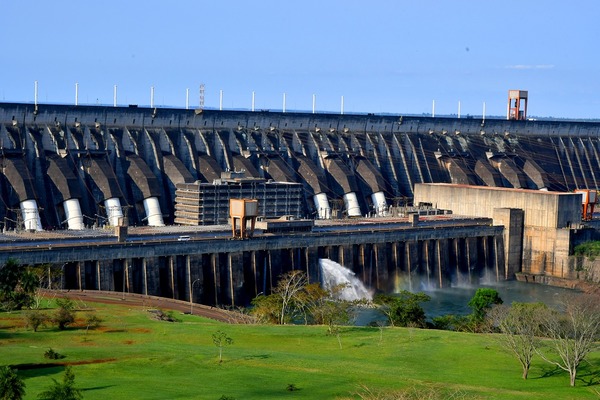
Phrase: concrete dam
pixel 66 169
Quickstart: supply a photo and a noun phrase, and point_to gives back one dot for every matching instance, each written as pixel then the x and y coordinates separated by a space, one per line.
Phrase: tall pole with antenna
pixel 283 102
pixel 187 98
pixel 151 96
pixel 221 100
pixel 484 111
pixel 35 93
pixel 314 103
pixel 76 93
pixel 115 96
pixel 253 100
pixel 202 96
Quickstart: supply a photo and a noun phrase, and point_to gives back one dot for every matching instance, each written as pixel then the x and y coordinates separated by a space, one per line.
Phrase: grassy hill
pixel 134 356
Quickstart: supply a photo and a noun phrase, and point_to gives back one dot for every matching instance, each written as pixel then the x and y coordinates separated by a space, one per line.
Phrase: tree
pixel 220 339
pixel 574 332
pixel 64 315
pixel 267 309
pixel 17 286
pixel 12 386
pixel 519 327
pixel 92 321
pixel 34 319
pixel 63 391
pixel 481 302
pixel 288 288
pixel 403 308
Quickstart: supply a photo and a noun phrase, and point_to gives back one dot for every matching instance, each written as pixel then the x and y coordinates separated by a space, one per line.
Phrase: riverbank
pixel 575 284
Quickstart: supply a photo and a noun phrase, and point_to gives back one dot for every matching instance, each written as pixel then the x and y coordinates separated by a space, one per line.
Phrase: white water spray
pixel 335 274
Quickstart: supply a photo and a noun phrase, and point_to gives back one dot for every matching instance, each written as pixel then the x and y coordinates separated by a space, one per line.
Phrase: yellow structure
pixel 243 210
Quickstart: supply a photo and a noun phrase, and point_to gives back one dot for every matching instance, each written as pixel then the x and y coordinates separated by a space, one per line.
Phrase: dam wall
pixel 76 166
pixel 222 271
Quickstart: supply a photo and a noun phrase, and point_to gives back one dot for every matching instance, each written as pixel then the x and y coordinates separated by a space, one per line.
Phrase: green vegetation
pixel 403 308
pixel 12 386
pixel 62 391
pixel 482 301
pixel 17 286
pixel 588 249
pixel 133 355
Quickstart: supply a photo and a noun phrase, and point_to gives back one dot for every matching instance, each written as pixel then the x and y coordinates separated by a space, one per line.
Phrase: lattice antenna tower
pixel 201 95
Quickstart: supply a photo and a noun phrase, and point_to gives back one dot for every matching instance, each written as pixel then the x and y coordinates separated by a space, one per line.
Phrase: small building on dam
pixel 70 174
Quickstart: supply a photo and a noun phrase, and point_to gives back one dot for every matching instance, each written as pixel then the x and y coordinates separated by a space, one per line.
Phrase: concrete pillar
pixel 81 283
pixel 471 255
pixel 443 269
pixel 346 256
pixel 382 280
pixel 153 266
pixel 235 278
pixel 217 279
pixel 513 220
pixel 313 269
pixel 105 271
pixel 195 282
pixel 412 263
pixel 145 276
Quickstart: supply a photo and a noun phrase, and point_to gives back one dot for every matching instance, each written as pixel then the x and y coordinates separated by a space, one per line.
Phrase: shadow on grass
pixel 588 377
pixel 549 371
pixel 96 388
pixel 257 357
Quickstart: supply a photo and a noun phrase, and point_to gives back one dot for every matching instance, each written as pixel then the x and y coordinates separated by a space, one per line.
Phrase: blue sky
pixel 381 56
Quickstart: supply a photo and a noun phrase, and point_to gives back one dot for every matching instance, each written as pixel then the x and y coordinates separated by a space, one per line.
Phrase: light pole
pixel 192 296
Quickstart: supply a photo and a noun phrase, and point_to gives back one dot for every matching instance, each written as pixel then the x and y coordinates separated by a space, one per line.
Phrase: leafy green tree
pixel 63 391
pixel 12 386
pixel 17 286
pixel 482 301
pixel 403 308
pixel 220 339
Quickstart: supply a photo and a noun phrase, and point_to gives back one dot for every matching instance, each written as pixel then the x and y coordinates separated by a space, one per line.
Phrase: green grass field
pixel 132 356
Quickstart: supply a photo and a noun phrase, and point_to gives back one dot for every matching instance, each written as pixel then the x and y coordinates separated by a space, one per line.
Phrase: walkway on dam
pixel 150 302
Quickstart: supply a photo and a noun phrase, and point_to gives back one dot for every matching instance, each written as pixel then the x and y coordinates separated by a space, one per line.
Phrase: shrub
pixel 50 354
pixel 35 319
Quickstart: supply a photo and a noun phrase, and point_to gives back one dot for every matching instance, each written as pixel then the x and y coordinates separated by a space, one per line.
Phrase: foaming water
pixel 335 274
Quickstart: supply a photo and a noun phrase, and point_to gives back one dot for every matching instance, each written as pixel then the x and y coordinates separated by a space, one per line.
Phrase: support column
pixel 382 280
pixel 513 221
pixel 235 278
pixel 313 268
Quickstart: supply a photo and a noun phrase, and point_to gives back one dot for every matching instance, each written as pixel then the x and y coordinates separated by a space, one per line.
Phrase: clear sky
pixel 394 56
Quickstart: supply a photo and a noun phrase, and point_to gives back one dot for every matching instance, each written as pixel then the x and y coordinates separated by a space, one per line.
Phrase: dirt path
pixel 134 299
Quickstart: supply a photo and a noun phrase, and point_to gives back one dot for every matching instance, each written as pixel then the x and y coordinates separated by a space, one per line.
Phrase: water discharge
pixel 335 274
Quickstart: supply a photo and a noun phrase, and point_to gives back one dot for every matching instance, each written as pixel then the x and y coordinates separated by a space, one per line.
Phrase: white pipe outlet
pixel 153 213
pixel 379 203
pixel 114 212
pixel 351 203
pixel 31 215
pixel 322 205
pixel 73 214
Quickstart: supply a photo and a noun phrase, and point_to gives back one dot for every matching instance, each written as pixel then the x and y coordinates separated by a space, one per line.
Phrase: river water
pixel 453 300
